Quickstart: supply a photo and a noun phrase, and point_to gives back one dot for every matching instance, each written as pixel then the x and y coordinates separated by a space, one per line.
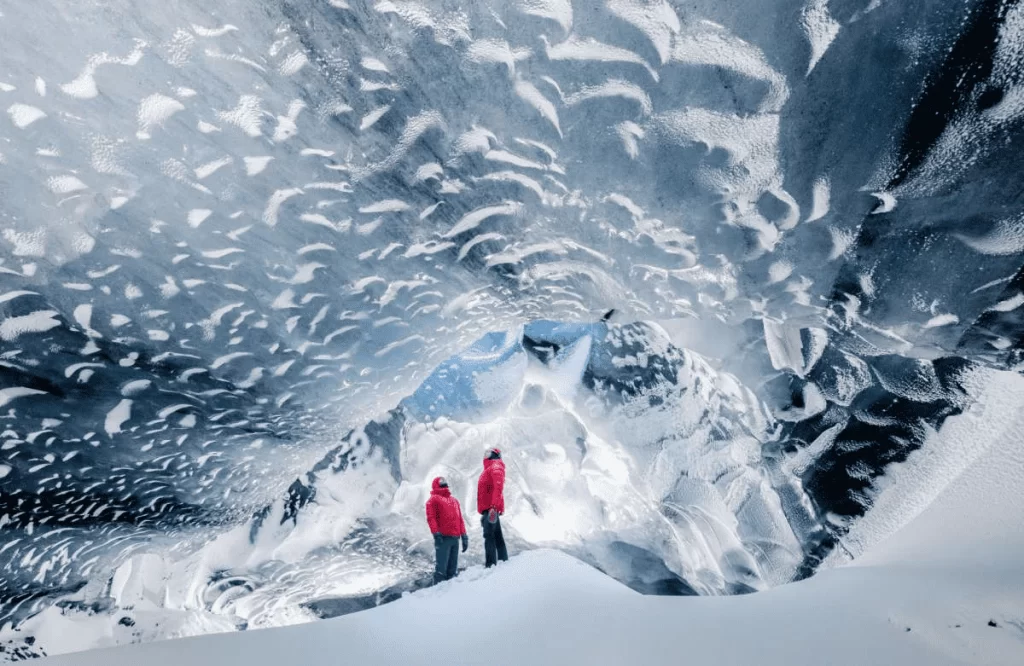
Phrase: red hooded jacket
pixel 490 488
pixel 443 512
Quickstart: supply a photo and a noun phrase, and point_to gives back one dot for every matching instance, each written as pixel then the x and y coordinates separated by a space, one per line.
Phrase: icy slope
pixel 929 595
pixel 547 608
pixel 635 455
pixel 947 569
pixel 664 488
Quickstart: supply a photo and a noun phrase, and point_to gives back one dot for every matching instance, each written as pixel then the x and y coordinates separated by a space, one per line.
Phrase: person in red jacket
pixel 444 516
pixel 490 502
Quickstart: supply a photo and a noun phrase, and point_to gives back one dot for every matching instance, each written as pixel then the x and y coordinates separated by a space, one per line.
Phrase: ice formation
pixel 715 277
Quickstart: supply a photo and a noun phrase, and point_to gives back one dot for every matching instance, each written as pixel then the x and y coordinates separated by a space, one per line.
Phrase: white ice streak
pixel 214 32
pixel 820 199
pixel 1006 237
pixel 372 64
pixel 277 199
pixel 473 219
pixel 293 63
pixel 135 387
pixel 257 164
pixel 657 20
pixel 65 184
pixel 35 322
pixel 1009 304
pixel 210 168
pixel 886 202
pixel 385 206
pixel 371 118
pixel 118 416
pixel 590 50
pixel 11 295
pixel 84 87
pixel 246 116
pixel 23 115
pixel 495 51
pixel 942 320
pixel 154 111
pixel 228 358
pixel 613 88
pixel 559 11
pixel 532 96
pixel 287 125
pixel 821 29
pixel 7 395
pixel 476 240
pixel 197 216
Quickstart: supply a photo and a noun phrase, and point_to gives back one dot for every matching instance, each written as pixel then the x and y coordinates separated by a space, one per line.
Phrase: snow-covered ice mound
pixel 945 590
pixel 545 607
pixel 636 456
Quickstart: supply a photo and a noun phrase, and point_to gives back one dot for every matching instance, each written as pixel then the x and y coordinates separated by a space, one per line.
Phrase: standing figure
pixel 444 515
pixel 490 502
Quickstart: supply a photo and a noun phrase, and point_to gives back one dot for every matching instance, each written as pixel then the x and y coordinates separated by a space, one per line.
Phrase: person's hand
pixel 465 542
pixel 492 515
pixel 437 538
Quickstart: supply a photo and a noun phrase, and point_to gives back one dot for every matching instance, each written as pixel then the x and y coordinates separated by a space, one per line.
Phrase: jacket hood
pixel 489 463
pixel 436 489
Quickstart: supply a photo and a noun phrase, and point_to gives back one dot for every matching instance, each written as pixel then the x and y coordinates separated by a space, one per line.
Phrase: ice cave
pixel 735 286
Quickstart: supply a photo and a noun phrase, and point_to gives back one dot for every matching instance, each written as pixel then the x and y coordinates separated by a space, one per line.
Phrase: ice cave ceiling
pixel 231 232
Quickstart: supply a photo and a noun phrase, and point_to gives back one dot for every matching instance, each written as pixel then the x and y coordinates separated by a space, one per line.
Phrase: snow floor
pixel 928 595
pixel 547 608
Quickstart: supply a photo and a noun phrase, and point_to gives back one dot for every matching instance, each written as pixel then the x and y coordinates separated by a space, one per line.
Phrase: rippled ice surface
pixel 234 237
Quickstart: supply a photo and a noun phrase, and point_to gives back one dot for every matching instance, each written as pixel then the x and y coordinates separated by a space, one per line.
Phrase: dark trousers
pixel 494 542
pixel 447 551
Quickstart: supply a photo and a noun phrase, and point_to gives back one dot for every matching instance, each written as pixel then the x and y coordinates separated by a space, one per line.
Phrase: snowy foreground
pixel 928 595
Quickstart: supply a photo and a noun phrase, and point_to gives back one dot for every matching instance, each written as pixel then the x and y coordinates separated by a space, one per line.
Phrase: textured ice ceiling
pixel 231 231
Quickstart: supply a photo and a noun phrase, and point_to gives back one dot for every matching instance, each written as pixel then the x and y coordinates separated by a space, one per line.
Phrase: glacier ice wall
pixel 229 234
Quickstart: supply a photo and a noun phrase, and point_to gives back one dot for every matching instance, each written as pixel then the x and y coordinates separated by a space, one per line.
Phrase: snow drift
pixel 945 590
